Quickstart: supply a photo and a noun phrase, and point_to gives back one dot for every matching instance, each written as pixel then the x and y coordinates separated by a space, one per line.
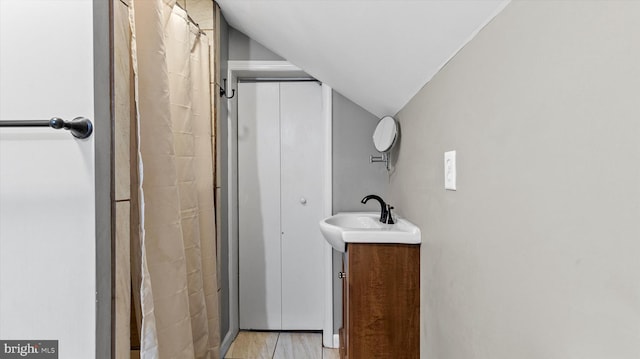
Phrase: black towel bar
pixel 80 127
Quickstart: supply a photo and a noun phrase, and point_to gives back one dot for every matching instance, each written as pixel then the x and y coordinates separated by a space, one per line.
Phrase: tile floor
pixel 283 345
pixel 274 345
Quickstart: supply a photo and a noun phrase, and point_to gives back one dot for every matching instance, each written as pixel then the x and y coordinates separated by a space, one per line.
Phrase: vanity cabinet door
pixel 382 303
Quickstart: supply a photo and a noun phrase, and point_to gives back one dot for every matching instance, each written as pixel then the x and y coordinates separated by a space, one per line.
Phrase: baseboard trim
pixel 226 343
pixel 336 341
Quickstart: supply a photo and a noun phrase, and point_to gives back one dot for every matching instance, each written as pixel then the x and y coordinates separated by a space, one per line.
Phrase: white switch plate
pixel 450 170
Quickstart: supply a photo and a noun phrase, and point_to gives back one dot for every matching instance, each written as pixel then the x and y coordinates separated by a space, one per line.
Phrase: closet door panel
pixel 302 176
pixel 259 205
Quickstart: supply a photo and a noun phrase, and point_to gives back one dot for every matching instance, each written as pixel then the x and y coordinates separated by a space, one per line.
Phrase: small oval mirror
pixel 385 134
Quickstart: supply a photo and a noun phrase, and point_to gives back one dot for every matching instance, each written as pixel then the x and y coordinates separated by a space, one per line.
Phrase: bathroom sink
pixel 365 227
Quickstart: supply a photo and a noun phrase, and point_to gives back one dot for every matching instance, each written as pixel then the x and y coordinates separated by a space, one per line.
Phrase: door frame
pixel 277 70
pixel 104 190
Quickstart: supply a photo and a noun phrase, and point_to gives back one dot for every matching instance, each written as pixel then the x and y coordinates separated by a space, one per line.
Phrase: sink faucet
pixel 383 206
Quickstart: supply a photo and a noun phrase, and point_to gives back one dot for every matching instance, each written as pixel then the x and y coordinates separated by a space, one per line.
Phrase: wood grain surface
pixel 382 301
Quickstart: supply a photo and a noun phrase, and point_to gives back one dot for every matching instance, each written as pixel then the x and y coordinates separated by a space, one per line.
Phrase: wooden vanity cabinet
pixel 381 301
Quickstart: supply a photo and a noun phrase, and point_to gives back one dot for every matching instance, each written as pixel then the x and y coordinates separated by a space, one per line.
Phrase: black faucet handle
pixel 389 219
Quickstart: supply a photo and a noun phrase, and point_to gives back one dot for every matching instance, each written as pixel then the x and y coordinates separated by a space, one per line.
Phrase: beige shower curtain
pixel 177 220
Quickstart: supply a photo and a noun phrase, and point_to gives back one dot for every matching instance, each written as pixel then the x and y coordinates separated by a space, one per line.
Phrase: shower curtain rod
pixel 191 19
pixel 79 127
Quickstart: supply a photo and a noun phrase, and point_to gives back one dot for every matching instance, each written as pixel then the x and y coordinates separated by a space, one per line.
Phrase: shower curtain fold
pixel 177 217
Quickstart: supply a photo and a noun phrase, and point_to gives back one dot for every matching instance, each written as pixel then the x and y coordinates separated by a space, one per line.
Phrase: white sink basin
pixel 365 227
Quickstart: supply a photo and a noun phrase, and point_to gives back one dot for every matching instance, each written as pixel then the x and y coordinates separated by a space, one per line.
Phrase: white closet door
pixel 302 177
pixel 259 205
pixel 280 184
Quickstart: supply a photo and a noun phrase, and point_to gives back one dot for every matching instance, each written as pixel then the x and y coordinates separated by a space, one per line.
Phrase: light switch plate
pixel 450 170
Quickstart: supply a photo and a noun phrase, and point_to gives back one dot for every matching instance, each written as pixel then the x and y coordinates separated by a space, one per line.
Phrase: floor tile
pixel 299 346
pixel 329 353
pixel 253 345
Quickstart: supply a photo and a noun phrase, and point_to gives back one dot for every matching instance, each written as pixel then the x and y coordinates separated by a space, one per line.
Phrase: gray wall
pixel 104 172
pixel 222 143
pixel 353 176
pixel 536 255
pixel 242 47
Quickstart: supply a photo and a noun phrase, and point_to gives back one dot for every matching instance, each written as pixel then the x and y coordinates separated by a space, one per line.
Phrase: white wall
pixel 536 255
pixel 47 210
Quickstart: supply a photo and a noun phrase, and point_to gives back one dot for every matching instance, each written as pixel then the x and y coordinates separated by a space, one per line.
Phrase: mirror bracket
pixel 384 158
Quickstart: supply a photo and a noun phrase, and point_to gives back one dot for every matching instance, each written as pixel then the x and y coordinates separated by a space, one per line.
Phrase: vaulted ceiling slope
pixel 377 53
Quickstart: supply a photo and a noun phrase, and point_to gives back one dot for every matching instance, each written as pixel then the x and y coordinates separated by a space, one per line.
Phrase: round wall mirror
pixel 385 134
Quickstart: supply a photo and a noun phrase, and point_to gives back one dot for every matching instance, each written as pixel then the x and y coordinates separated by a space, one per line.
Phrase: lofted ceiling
pixel 377 53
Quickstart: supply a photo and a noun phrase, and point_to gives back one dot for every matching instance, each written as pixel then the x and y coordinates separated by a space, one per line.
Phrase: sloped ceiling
pixel 377 53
